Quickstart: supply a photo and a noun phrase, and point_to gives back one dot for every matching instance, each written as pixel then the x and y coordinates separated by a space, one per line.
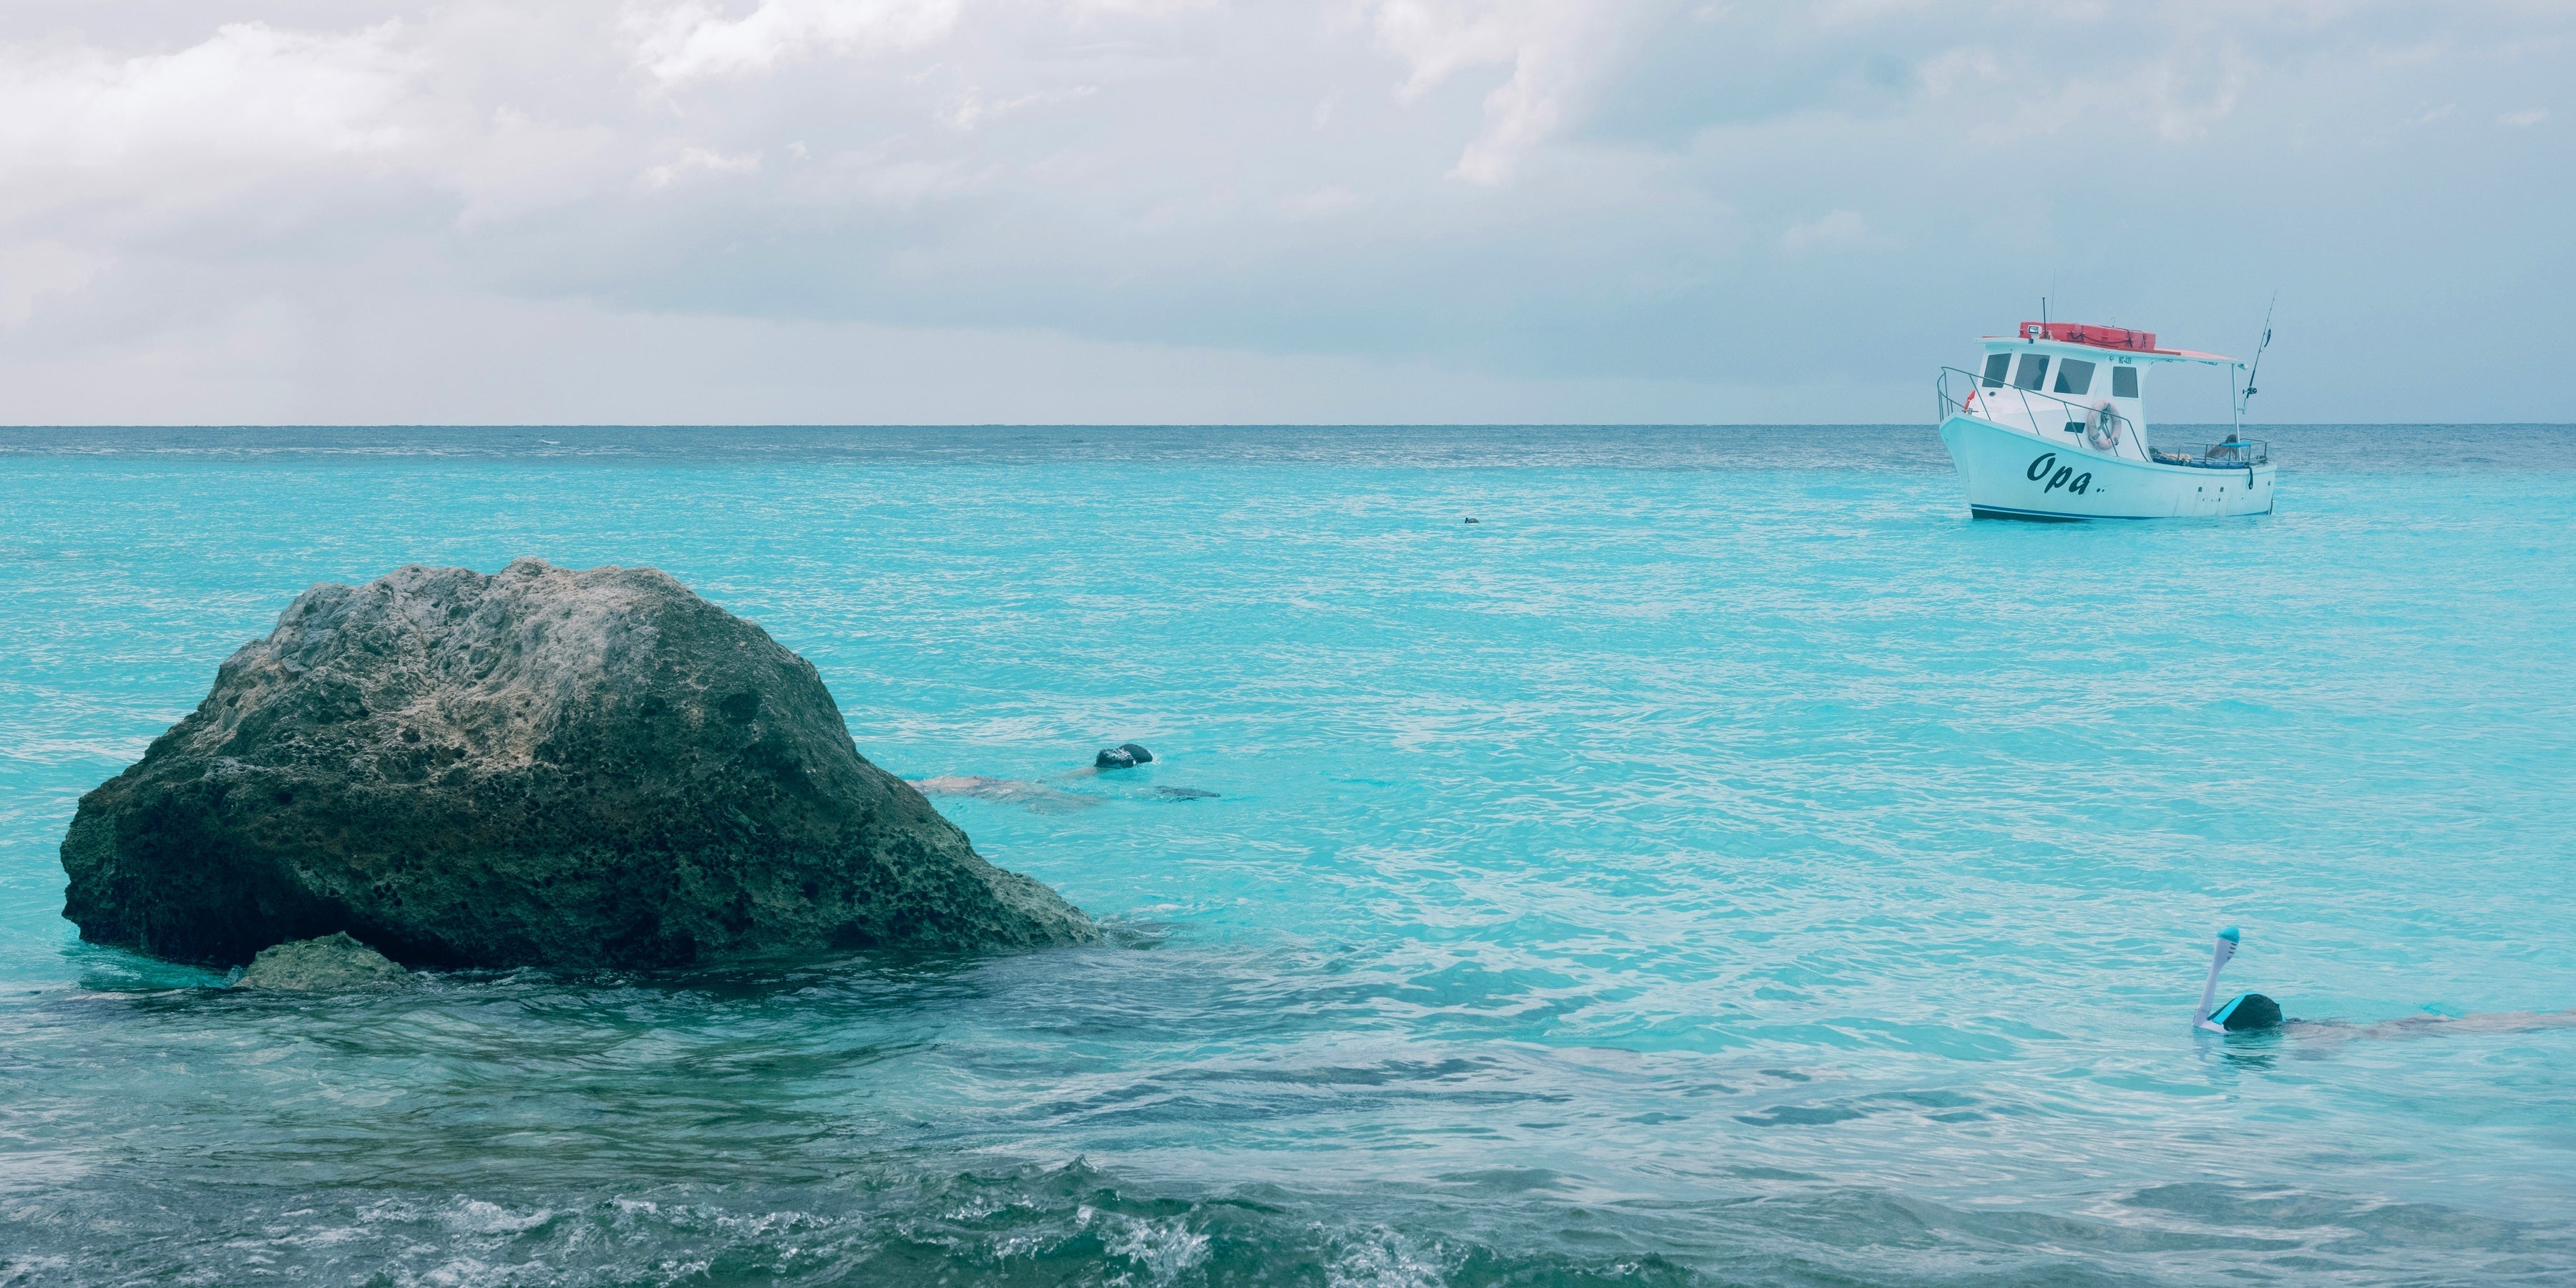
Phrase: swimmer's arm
pixel 2415 1026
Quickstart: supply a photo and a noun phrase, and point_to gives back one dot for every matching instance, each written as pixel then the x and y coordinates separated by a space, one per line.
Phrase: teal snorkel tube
pixel 2243 1011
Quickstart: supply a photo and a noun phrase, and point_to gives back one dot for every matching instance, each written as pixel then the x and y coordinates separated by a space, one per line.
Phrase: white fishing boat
pixel 2052 427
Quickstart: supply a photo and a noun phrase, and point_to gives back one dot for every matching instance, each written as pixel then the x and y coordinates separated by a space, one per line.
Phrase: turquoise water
pixel 1722 863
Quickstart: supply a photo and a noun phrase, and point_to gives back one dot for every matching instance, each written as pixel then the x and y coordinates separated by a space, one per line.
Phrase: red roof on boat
pixel 2111 337
pixel 2100 337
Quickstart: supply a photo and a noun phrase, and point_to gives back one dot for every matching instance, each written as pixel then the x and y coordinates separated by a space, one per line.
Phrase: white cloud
pixel 1554 49
pixel 1320 202
pixel 1608 191
pixel 2188 91
pixel 690 41
pixel 2531 117
pixel 512 165
pixel 249 95
pixel 479 360
pixel 1138 8
pixel 971 108
pixel 2180 93
pixel 31 271
pixel 1834 230
pixel 700 161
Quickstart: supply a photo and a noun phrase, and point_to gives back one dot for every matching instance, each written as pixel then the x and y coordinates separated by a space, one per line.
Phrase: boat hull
pixel 2010 474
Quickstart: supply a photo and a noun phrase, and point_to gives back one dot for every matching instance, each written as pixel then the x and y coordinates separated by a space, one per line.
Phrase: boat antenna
pixel 2248 396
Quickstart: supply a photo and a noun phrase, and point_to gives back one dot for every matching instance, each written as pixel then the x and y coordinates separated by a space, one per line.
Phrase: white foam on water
pixel 1164 1248
pixel 1382 1259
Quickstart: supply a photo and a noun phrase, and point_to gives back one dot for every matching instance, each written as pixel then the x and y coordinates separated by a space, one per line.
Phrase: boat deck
pixel 2234 454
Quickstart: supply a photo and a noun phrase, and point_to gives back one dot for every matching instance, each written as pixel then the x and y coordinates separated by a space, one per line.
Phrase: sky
pixel 1292 211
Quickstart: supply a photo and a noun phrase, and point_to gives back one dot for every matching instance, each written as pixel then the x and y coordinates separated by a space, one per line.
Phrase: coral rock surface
pixel 540 767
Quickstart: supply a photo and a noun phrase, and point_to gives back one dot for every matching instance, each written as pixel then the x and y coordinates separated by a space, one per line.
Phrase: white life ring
pixel 2102 428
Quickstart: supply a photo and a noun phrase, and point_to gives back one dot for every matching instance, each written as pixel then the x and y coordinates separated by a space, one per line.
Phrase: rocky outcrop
pixel 540 767
pixel 328 964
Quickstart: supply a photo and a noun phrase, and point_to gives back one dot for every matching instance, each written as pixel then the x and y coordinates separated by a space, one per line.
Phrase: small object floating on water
pixel 1126 755
pixel 1184 794
pixel 1471 518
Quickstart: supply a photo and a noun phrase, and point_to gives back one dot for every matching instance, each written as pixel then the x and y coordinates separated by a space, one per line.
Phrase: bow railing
pixel 2014 406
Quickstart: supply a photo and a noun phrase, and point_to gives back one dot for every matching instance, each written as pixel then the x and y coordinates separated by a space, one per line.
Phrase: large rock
pixel 539 767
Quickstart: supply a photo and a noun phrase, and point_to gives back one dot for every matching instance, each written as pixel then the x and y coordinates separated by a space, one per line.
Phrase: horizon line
pixel 1215 424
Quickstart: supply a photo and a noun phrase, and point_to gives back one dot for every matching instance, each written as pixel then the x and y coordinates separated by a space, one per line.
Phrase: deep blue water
pixel 1724 862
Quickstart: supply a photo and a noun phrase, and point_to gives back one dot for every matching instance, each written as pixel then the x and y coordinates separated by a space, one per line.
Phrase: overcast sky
pixel 858 211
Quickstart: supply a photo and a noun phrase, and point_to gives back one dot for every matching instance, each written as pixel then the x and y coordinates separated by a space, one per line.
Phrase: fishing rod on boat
pixel 2247 397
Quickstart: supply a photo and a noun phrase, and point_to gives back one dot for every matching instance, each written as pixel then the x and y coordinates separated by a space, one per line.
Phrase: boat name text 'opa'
pixel 2079 484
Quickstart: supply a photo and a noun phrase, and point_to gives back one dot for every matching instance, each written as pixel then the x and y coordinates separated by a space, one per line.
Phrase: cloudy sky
pixel 858 211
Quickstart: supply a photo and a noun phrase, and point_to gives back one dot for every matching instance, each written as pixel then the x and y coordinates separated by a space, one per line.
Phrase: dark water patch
pixel 873 1222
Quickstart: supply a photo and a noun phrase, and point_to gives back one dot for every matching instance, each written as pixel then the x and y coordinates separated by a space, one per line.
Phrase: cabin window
pixel 2075 376
pixel 2124 382
pixel 1996 365
pixel 2034 368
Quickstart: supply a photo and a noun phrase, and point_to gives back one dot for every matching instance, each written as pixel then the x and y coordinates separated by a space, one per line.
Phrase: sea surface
pixel 1722 863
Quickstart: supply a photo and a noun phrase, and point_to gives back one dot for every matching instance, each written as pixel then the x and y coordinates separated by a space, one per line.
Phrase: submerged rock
pixel 541 767
pixel 316 965
pixel 1126 755
pixel 1037 797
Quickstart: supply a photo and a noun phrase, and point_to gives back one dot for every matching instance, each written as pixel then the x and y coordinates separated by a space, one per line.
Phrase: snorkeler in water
pixel 2253 1012
pixel 2243 1012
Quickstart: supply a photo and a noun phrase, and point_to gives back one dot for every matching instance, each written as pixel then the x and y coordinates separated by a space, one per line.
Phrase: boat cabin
pixel 2062 380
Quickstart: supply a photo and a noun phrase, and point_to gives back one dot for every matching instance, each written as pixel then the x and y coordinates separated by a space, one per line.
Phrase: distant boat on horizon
pixel 2052 427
